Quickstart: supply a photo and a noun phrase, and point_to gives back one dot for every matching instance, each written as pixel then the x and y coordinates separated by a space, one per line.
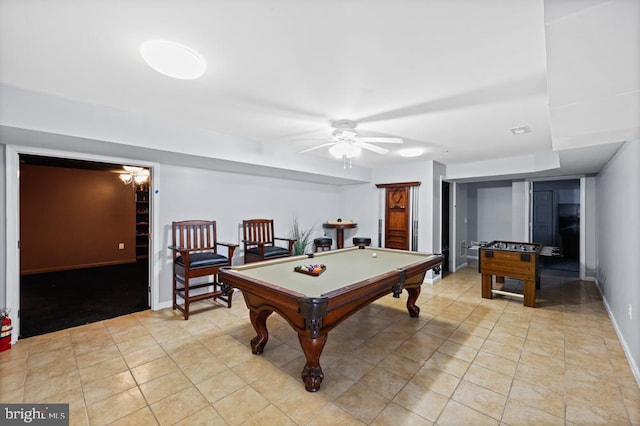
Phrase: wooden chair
pixel 259 241
pixel 195 255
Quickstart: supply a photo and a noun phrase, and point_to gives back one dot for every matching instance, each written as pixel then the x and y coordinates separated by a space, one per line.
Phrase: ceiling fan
pixel 346 144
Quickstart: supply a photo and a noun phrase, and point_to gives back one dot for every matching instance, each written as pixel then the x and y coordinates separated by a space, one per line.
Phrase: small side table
pixel 339 227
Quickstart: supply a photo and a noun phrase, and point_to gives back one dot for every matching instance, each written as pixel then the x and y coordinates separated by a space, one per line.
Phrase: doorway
pixel 445 243
pixel 71 272
pixel 556 224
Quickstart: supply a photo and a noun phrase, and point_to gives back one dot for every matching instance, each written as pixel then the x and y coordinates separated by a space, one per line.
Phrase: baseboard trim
pixel 627 352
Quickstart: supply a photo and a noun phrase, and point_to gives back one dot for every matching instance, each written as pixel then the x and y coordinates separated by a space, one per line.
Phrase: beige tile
pixel 220 385
pixel 353 367
pixel 480 399
pixel 362 402
pixel 164 386
pixel 206 416
pixel 301 406
pixel 254 369
pixel 274 384
pixel 142 356
pixel 116 407
pixel 12 381
pixel 145 342
pixel 517 413
pixel 421 401
pixel 53 385
pixel 153 369
pixel 463 358
pixel 495 363
pixel 143 416
pixel 103 369
pixel 585 413
pixel 240 405
pixel 448 364
pixel 492 380
pixel 103 354
pixel 394 414
pixel 178 406
pixel 270 416
pixel 436 380
pixel 457 350
pixel 384 382
pixel 101 389
pixel 455 414
pixel 538 396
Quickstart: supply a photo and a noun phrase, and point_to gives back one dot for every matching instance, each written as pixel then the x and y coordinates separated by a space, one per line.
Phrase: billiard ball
pixel 374 255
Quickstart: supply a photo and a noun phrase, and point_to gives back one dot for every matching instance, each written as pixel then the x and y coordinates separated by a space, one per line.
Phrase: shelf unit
pixel 142 221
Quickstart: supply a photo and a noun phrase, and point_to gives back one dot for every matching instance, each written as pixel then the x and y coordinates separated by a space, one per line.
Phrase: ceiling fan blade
pixel 375 139
pixel 374 148
pixel 317 147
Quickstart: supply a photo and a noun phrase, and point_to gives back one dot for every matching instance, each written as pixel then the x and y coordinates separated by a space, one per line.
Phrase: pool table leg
pixel 259 322
pixel 414 292
pixel 312 374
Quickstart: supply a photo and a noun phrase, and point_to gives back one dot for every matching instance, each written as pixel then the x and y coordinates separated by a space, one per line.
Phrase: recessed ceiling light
pixel 411 152
pixel 521 130
pixel 173 59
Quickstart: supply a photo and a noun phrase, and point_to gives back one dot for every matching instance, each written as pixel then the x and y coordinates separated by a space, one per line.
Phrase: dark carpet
pixel 57 300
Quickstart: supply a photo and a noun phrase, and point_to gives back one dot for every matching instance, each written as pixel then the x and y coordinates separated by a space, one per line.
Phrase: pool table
pixel 313 305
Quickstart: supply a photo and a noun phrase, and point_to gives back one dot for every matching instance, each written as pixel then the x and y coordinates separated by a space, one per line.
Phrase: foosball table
pixel 510 259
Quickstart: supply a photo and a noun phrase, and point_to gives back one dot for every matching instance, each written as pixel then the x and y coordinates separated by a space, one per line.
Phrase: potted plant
pixel 302 237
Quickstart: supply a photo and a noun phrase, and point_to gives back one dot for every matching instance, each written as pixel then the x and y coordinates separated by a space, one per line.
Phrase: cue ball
pixel 374 255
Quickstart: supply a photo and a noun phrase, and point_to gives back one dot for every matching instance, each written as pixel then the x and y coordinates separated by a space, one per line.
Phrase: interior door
pixel 397 212
pixel 543 228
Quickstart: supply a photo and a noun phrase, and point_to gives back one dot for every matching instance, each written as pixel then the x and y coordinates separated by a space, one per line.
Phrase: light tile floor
pixel 465 361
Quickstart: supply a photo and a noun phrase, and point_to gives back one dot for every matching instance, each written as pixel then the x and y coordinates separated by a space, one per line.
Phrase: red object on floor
pixel 5 334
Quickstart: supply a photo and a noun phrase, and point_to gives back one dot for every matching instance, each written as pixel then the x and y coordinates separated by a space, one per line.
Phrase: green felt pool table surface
pixel 343 268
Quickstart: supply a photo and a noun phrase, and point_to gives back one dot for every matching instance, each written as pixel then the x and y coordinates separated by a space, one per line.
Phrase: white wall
pixel 588 223
pixel 519 211
pixel 490 211
pixel 461 240
pixel 618 241
pixel 228 198
pixel 358 203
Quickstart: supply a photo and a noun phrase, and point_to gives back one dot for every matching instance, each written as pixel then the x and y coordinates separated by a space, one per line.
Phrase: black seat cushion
pixel 361 240
pixel 322 240
pixel 269 251
pixel 204 260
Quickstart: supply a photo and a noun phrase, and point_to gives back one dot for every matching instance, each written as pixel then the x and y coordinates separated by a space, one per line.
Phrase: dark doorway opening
pixel 445 228
pixel 62 285
pixel 556 224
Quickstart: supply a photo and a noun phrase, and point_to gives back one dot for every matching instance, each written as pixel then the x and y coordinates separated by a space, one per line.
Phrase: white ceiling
pixel 452 76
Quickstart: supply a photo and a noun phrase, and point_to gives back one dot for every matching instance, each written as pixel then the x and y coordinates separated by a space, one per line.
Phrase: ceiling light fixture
pixel 134 175
pixel 346 151
pixel 173 59
pixel 520 130
pixel 411 152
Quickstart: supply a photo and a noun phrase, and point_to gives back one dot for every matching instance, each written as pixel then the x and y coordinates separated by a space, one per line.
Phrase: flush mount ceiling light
pixel 520 130
pixel 173 59
pixel 411 152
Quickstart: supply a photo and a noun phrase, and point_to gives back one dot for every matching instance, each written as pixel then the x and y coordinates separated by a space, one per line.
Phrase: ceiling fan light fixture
pixel 343 134
pixel 345 149
pixel 411 152
pixel 173 59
